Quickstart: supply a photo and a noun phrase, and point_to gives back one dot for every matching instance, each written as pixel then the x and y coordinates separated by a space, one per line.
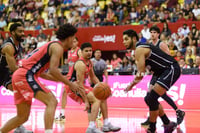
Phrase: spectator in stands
pixel 171 4
pixel 196 12
pixel 123 15
pixel 166 29
pixel 186 11
pixel 182 64
pixel 110 15
pixel 191 45
pixel 189 55
pixel 39 5
pixel 151 11
pixel 178 56
pixel 141 38
pixel 194 32
pixel 42 35
pixel 177 41
pixel 133 14
pixel 3 23
pixel 115 62
pixel 172 48
pixel 125 65
pixel 192 17
pixel 197 62
pixel 183 31
pixel 145 32
pixel 41 41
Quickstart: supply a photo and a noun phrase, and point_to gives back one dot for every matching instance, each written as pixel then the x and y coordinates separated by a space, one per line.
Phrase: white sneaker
pixel 110 128
pixel 93 130
pixel 22 129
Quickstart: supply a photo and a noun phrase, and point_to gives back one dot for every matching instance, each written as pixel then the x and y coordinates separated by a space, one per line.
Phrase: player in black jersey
pixel 10 53
pixel 164 66
pixel 155 31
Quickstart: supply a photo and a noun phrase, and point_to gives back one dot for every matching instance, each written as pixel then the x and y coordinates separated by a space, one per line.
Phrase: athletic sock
pixel 165 119
pixel 48 131
pixel 63 112
pixel 91 124
pixel 169 101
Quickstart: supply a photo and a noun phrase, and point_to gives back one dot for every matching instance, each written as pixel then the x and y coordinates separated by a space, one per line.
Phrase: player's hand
pixel 75 87
pixel 87 106
pixel 128 88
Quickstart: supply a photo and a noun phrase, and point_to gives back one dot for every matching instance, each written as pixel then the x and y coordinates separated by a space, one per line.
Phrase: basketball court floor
pixel 128 119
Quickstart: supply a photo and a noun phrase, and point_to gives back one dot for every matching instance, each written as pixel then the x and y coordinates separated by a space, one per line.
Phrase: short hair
pixel 155 28
pixel 97 50
pixel 131 33
pixel 85 45
pixel 14 26
pixel 65 31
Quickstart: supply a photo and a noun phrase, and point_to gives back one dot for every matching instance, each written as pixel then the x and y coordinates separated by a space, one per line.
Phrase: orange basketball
pixel 102 91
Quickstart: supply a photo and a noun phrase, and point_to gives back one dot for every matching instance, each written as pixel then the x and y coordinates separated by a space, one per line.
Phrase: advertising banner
pixel 185 93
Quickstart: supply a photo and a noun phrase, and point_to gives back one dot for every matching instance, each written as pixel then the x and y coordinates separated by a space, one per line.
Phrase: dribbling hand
pixel 128 88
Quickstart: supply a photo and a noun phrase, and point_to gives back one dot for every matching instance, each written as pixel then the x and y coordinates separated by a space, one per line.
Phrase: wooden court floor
pixel 128 119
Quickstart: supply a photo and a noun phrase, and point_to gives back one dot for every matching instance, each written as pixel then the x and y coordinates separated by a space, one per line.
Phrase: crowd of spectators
pixel 49 14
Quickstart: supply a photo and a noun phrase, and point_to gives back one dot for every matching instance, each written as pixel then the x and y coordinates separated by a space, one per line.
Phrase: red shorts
pixel 77 97
pixel 25 85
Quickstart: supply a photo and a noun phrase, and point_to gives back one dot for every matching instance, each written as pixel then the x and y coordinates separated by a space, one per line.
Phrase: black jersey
pixel 3 62
pixel 157 61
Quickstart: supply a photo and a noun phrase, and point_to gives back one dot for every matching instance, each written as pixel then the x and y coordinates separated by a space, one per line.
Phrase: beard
pixel 19 38
pixel 131 45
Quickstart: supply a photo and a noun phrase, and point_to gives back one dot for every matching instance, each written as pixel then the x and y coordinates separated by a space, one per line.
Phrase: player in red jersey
pixel 83 69
pixel 73 56
pixel 26 84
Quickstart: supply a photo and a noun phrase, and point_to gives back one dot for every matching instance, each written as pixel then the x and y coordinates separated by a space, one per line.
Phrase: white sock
pixel 63 112
pixel 105 121
pixel 0 131
pixel 91 124
pixel 48 131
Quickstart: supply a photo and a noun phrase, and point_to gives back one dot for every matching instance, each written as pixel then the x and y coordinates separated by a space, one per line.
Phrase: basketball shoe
pixel 146 123
pixel 93 130
pixel 110 128
pixel 170 127
pixel 22 129
pixel 180 116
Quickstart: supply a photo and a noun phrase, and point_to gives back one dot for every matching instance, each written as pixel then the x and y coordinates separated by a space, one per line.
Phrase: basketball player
pixel 80 72
pixel 155 32
pixel 100 69
pixel 10 53
pixel 26 84
pixel 73 56
pixel 164 66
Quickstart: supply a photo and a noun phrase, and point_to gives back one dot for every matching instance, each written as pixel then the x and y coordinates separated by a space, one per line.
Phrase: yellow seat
pixel 101 4
pixel 45 2
pixel 58 12
pixel 6 28
pixel 67 14
pixel 90 12
pixel 108 2
pixel 28 16
pixel 44 15
pixel 124 1
pixel 5 2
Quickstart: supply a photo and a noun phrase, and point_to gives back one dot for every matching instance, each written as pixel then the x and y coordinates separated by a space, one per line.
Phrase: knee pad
pixel 152 100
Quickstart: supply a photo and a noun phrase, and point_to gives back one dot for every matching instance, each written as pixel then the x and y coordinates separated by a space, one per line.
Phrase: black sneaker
pixel 149 130
pixel 170 127
pixel 146 123
pixel 180 116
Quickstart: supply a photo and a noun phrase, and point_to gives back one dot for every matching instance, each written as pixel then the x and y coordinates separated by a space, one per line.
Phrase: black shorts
pixel 153 79
pixel 169 76
pixel 5 77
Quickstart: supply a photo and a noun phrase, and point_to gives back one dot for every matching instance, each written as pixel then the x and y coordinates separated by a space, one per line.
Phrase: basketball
pixel 102 91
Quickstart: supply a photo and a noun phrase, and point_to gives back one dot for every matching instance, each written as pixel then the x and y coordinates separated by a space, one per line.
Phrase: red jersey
pixel 38 60
pixel 72 72
pixel 72 57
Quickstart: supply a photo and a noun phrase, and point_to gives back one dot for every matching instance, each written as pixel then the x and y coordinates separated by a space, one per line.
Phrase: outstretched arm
pixel 140 56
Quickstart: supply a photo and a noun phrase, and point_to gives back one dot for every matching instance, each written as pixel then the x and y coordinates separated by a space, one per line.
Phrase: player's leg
pixel 179 113
pixel 63 105
pixel 94 111
pixel 154 106
pixel 50 101
pixel 107 126
pixel 23 111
